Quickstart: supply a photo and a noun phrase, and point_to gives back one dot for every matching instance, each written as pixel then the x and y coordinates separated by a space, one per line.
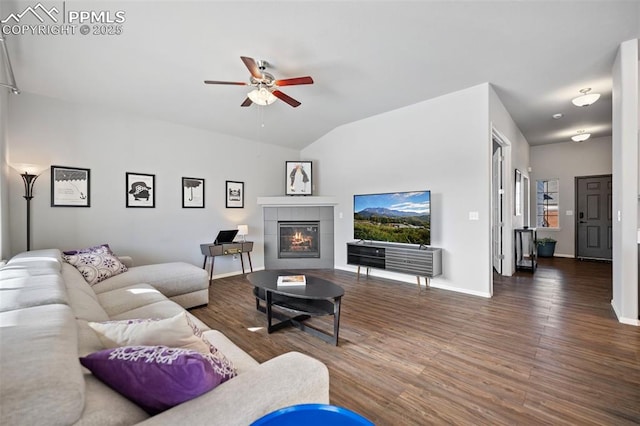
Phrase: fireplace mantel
pixel 305 201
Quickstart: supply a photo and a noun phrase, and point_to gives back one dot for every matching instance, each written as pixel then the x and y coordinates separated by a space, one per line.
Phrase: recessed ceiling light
pixel 557 116
pixel 586 99
pixel 581 136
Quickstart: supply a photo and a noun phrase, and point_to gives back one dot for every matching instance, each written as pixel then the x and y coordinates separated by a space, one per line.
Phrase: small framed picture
pixel 141 190
pixel 70 187
pixel 192 193
pixel 234 195
pixel 298 178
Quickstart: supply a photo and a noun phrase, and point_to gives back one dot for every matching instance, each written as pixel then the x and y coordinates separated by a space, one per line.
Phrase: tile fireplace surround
pixel 286 209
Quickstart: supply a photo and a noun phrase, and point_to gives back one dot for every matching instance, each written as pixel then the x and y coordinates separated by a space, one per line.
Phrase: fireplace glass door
pixel 298 240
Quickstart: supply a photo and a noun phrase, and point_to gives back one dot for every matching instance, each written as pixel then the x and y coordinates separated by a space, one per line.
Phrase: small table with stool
pixel 318 297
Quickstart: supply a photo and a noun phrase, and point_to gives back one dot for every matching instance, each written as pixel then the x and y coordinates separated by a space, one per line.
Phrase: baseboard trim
pixel 461 290
pixel 630 321
pixel 411 279
pixel 624 320
pixel 234 273
pixel 570 256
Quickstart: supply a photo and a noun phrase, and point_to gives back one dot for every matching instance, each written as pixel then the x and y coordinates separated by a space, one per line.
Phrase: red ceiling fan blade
pixel 235 83
pixel 250 63
pixel 294 81
pixel 286 98
pixel 247 102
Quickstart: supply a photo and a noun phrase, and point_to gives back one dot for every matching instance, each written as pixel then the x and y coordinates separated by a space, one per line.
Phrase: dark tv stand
pixel 421 261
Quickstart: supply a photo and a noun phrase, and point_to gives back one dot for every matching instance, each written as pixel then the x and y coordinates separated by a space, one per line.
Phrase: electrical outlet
pixel 235 257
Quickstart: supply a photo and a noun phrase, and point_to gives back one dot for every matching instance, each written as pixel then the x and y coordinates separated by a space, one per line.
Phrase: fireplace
pixel 300 239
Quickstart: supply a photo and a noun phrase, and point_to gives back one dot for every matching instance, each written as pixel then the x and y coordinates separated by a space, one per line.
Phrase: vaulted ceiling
pixel 366 57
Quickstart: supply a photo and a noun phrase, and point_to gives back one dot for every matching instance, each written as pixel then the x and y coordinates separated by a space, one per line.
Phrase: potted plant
pixel 546 247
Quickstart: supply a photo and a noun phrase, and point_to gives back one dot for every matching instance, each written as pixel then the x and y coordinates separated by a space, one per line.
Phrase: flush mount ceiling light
pixel 586 98
pixel 557 116
pixel 581 136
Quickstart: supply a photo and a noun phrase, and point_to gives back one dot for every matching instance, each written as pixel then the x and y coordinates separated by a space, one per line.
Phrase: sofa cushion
pixel 40 376
pixel 103 406
pixel 154 377
pixel 82 299
pixel 162 309
pixel 38 262
pixel 24 291
pixel 51 255
pixel 125 299
pixel 171 279
pixel 95 263
pixel 88 340
pixel 174 332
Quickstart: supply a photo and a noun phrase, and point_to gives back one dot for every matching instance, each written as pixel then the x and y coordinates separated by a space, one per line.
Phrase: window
pixel 547 198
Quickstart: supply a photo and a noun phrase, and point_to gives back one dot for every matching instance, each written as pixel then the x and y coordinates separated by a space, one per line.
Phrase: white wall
pixel 565 161
pixel 516 156
pixel 442 145
pixel 626 109
pixel 110 143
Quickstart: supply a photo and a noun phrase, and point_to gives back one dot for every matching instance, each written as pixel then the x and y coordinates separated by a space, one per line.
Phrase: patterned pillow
pixel 89 249
pixel 154 377
pixel 95 263
pixel 178 331
pixel 225 366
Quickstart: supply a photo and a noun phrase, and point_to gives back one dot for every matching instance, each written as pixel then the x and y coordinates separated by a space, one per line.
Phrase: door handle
pixel 582 221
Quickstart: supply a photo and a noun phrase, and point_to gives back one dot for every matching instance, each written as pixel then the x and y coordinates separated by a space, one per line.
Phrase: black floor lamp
pixel 29 178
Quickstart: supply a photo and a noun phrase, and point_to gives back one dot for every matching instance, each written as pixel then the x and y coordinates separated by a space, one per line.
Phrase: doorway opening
pixel 497 195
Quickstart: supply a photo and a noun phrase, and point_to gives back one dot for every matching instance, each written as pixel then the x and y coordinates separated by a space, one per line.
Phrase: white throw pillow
pixel 175 332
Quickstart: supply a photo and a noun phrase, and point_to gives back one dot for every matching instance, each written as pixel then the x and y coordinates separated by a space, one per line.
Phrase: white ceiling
pixel 366 57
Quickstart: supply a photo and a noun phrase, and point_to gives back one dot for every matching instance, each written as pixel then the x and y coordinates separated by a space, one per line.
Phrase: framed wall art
pixel 70 187
pixel 141 190
pixel 192 193
pixel 298 178
pixel 234 194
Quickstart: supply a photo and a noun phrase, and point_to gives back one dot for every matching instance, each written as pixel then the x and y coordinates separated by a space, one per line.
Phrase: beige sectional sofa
pixel 45 310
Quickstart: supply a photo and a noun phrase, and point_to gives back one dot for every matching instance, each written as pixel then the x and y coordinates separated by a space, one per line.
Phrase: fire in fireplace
pixel 298 239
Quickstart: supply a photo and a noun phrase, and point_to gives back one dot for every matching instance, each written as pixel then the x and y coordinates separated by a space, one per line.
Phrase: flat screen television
pixel 399 217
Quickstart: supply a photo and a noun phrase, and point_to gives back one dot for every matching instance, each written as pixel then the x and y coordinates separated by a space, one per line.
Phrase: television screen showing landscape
pixel 401 217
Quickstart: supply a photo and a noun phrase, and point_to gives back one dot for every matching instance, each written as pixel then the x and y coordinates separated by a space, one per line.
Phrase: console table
pixel 419 261
pixel 528 247
pixel 212 250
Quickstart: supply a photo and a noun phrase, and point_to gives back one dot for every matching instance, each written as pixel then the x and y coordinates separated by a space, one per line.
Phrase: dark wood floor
pixel 546 349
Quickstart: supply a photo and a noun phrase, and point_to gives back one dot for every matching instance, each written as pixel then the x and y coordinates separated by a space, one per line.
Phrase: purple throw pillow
pixel 154 377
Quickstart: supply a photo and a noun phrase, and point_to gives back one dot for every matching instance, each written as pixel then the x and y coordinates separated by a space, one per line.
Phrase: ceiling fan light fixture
pixel 262 96
pixel 581 136
pixel 586 98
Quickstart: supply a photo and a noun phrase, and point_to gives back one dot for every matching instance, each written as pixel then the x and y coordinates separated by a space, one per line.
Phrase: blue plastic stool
pixel 311 415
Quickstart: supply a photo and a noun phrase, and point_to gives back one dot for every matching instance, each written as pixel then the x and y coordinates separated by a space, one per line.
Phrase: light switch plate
pixel 569 212
pixel 474 216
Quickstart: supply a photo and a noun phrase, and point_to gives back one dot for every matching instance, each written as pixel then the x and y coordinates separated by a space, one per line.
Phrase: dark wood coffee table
pixel 296 304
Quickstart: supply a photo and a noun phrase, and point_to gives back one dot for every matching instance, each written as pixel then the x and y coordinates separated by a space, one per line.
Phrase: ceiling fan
pixel 265 85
